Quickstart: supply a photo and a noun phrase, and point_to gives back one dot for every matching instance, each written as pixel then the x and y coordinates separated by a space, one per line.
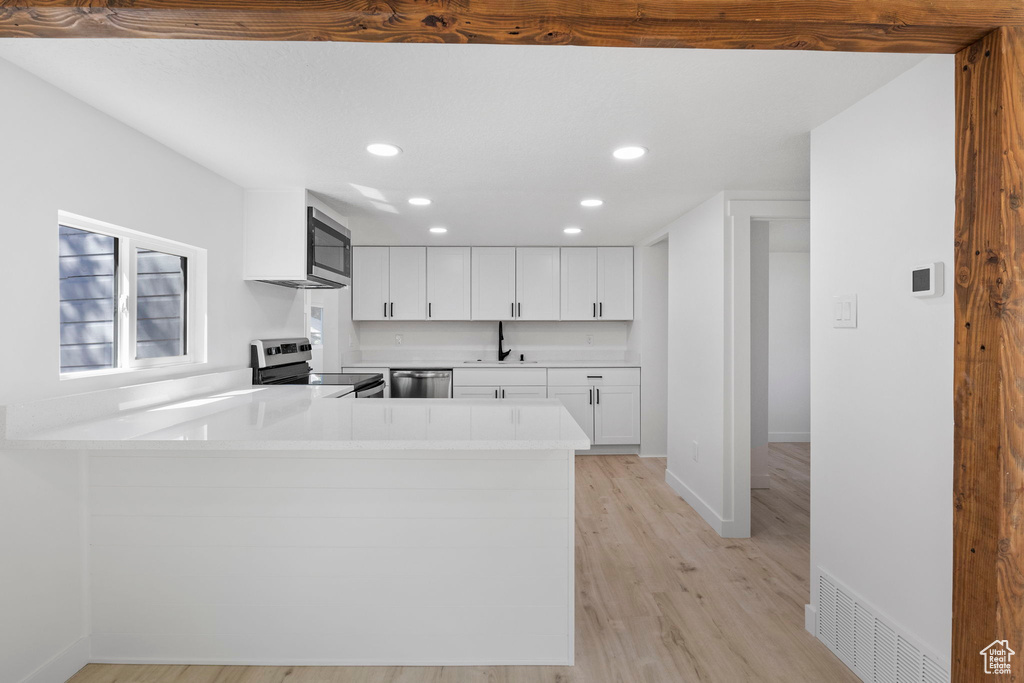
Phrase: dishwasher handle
pixel 422 374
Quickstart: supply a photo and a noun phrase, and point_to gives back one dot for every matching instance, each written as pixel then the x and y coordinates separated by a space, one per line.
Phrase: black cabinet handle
pixel 601 309
pixel 594 315
pixel 503 393
pixel 513 313
pixel 385 309
pixel 430 310
pixel 598 397
pixel 520 314
pixel 595 376
pixel 591 397
pixel 392 309
pixel 495 393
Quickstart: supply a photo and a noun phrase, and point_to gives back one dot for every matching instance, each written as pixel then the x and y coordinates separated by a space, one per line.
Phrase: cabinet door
pixel 537 283
pixel 579 283
pixel 370 282
pixel 615 283
pixel 617 415
pixel 577 400
pixel 448 283
pixel 524 392
pixel 494 283
pixel 476 392
pixel 408 283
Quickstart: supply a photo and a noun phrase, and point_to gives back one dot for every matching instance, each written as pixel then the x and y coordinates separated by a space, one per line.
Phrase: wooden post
pixel 988 480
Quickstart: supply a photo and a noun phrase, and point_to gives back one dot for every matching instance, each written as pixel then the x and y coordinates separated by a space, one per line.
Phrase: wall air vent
pixel 875 649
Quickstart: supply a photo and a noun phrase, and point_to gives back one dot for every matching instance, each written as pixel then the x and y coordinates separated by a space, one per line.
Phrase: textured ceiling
pixel 504 140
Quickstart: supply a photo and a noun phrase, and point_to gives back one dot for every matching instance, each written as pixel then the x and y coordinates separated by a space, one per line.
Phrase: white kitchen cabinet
pixel 616 415
pixel 371 288
pixel 449 276
pixel 493 283
pixel 615 283
pixel 579 402
pixel 408 283
pixel 597 283
pixel 475 392
pixel 579 283
pixel 389 283
pixel 537 283
pixel 514 392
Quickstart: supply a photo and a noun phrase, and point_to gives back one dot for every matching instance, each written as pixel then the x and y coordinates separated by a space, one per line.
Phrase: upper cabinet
pixel 597 283
pixel 537 283
pixel 448 283
pixel 494 283
pixel 371 287
pixel 512 283
pixel 389 283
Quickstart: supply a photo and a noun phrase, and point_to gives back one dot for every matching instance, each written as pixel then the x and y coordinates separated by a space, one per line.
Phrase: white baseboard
pixel 695 501
pixel 789 437
pixel 610 450
pixel 760 481
pixel 654 455
pixel 811 619
pixel 63 665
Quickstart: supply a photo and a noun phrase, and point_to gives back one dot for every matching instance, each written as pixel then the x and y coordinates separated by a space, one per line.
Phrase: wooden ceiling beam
pixel 934 26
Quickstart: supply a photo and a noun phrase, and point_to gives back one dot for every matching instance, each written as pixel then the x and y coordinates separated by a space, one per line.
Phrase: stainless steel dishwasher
pixel 425 383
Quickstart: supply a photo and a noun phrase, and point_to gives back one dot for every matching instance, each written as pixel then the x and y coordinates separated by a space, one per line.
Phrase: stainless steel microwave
pixel 328 254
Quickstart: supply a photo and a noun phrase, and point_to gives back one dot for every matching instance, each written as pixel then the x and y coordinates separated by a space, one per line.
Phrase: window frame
pixel 129 242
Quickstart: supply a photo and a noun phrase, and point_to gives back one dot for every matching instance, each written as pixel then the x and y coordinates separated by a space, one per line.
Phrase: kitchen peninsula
pixel 279 525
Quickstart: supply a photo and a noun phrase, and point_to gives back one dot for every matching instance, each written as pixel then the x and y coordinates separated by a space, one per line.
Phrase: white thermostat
pixel 927 280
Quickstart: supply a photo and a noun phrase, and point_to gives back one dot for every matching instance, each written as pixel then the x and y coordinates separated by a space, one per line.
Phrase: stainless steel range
pixel 286 361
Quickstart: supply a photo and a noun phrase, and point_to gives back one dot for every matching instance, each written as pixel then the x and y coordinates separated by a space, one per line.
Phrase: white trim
pixel 63 665
pixel 811 619
pixel 760 481
pixel 737 440
pixel 206 661
pixel 696 502
pixel 789 437
pixel 610 450
pixel 654 455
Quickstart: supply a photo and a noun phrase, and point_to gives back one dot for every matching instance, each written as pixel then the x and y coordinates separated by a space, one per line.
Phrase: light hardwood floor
pixel 660 597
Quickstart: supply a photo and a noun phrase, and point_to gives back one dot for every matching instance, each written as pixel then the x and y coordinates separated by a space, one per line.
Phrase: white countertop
pixel 309 418
pixel 446 364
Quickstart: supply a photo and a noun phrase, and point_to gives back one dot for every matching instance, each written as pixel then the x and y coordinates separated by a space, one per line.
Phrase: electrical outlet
pixel 398 340
pixel 696 452
pixel 590 340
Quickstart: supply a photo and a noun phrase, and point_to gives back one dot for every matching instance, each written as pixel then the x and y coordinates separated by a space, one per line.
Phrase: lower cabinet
pixel 498 392
pixel 605 402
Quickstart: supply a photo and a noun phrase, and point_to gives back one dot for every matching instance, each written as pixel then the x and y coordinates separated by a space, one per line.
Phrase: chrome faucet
pixel 502 355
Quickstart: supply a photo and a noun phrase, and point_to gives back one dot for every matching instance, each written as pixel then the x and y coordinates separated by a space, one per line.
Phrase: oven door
pixel 375 391
pixel 329 252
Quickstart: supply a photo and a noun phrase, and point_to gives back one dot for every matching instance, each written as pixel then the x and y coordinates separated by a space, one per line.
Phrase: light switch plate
pixel 844 310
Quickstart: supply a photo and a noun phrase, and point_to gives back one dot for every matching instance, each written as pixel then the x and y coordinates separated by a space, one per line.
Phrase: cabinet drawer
pixel 505 377
pixel 578 377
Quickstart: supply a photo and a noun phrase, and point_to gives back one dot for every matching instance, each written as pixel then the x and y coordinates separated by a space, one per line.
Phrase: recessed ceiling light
pixel 629 152
pixel 383 150
pixel 592 202
pixel 419 201
pixel 572 231
pixel 439 230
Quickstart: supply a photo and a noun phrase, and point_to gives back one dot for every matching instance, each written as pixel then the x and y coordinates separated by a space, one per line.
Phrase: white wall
pixel 759 360
pixel 696 361
pixel 69 156
pixel 648 339
pixel 882 178
pixel 467 340
pixel 789 346
pixel 64 155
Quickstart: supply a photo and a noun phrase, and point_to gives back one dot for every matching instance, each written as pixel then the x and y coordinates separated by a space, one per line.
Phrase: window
pixel 127 299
